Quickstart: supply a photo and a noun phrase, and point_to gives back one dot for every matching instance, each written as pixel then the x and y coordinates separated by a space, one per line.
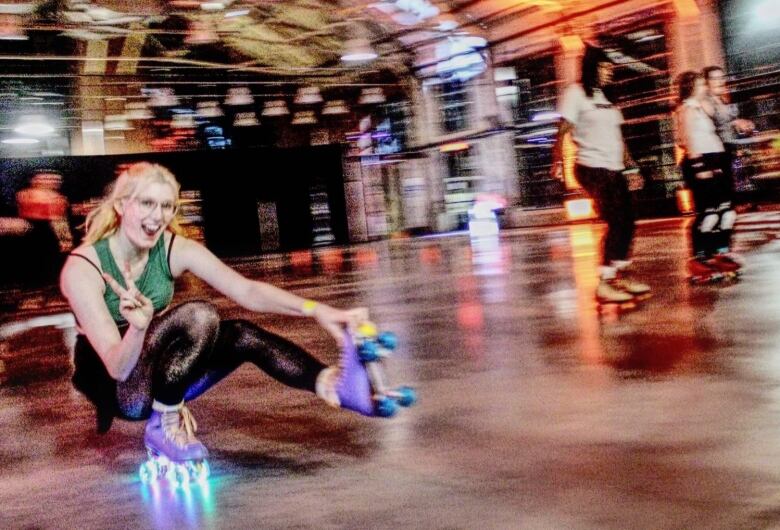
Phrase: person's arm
pixel 83 287
pixel 188 255
pixel 566 127
pixel 569 109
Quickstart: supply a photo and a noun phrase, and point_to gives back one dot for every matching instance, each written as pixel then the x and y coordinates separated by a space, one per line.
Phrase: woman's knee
pixel 200 319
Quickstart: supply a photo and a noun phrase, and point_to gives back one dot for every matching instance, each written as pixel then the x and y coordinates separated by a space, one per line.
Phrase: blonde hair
pixel 103 221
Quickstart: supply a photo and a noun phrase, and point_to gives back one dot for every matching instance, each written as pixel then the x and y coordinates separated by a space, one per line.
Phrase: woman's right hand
pixel 133 305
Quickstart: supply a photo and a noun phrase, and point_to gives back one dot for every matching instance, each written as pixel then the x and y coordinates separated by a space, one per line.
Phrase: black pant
pixel 609 190
pixel 186 351
pixel 712 198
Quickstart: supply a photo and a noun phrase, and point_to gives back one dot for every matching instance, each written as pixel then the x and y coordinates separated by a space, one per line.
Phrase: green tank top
pixel 156 281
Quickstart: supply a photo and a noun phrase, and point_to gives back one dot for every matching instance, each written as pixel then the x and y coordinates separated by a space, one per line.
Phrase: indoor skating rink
pixel 534 412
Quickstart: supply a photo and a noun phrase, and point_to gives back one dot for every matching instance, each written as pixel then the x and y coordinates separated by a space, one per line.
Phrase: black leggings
pixel 609 190
pixel 189 349
pixel 711 230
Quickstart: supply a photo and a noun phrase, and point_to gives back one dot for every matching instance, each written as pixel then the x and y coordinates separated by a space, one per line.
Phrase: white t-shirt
pixel 596 128
pixel 695 130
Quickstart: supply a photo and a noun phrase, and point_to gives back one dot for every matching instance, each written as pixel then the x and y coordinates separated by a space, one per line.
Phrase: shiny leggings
pixel 189 349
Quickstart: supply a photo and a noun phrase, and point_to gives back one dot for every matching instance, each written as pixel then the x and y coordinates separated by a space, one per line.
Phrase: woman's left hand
pixel 336 320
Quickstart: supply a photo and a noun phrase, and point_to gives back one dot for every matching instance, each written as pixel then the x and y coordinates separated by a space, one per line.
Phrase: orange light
pixel 454 146
pixel 572 43
pixel 579 209
pixel 679 154
pixel 686 8
pixel 685 201
pixel 301 258
pixel 569 158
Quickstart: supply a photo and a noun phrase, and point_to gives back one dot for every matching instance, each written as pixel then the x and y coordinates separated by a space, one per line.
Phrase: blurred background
pixel 296 124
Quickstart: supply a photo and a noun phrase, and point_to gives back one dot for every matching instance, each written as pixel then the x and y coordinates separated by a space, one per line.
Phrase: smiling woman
pixel 138 358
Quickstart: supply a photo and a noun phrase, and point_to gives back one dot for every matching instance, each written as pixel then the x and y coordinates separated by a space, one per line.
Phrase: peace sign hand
pixel 133 306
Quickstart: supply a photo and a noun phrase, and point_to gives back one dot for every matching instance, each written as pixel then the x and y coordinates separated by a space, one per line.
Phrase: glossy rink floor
pixel 533 413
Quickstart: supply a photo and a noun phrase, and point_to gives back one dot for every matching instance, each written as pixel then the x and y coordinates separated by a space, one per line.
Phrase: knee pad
pixel 727 219
pixel 709 222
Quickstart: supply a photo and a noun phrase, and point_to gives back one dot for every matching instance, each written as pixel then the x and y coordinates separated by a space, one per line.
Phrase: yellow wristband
pixel 308 307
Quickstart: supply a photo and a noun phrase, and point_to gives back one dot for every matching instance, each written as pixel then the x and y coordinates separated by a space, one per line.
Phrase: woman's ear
pixel 119 207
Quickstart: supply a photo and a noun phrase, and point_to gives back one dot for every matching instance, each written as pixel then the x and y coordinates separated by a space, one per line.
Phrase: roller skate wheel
pixel 368 351
pixel 199 471
pixel 367 329
pixel 147 472
pixel 385 407
pixel 387 340
pixel 406 396
pixel 181 475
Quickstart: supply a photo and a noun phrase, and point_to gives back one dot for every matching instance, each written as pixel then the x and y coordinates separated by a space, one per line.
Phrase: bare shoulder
pixel 82 270
pixel 183 251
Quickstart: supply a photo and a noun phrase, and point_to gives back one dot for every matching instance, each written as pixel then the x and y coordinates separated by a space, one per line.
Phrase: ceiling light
pixel 163 97
pixel 358 50
pixel 239 96
pixel 305 117
pixel 11 27
pixel 237 13
pixel 117 122
pixel 308 95
pixel 245 119
pixel 336 106
pixel 138 110
pixel 34 126
pixel 20 141
pixel 276 107
pixel 209 109
pixel 371 96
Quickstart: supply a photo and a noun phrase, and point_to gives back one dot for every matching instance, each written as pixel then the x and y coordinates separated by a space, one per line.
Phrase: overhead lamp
pixel 11 27
pixel 201 33
pixel 163 97
pixel 336 106
pixel 212 6
pixel 183 121
pixel 21 141
pixel 138 110
pixel 358 50
pixel 208 109
pixel 239 96
pixel 305 117
pixel 116 122
pixel 34 125
pixel 308 95
pixel 371 96
pixel 245 119
pixel 275 107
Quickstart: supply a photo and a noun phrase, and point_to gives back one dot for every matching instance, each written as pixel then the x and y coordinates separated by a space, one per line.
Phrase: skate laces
pixel 179 426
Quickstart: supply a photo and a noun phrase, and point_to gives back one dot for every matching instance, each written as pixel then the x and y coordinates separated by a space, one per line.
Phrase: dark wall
pixel 231 183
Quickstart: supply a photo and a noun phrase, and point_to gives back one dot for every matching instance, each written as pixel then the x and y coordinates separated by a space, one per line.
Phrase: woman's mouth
pixel 150 229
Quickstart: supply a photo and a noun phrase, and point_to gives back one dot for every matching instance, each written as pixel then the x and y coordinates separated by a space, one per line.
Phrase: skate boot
pixel 173 450
pixel 609 294
pixel 360 384
pixel 728 263
pixel 638 290
pixel 703 270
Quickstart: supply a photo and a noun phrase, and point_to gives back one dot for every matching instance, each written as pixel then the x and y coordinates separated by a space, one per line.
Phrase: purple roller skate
pixel 173 450
pixel 361 386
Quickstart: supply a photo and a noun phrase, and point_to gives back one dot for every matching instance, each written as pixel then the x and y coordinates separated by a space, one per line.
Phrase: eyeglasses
pixel 147 206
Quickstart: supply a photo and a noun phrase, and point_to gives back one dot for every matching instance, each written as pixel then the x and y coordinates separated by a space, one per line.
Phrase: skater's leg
pixel 614 207
pixel 175 350
pixel 242 341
